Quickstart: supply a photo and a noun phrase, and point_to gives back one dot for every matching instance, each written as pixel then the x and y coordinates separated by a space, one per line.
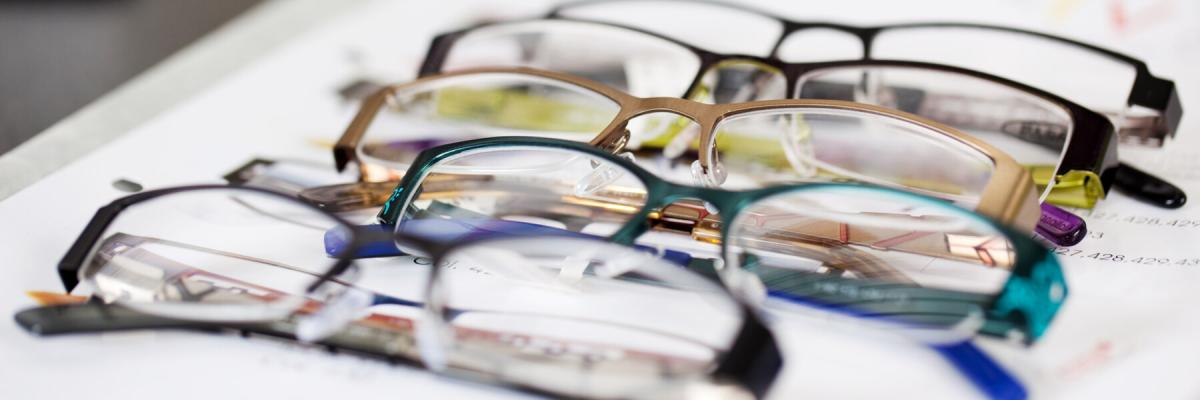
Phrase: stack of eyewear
pixel 586 206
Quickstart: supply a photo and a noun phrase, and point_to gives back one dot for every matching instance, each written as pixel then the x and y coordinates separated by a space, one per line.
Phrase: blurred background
pixel 57 56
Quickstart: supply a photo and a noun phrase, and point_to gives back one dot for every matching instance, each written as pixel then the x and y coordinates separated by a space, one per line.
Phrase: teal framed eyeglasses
pixel 867 248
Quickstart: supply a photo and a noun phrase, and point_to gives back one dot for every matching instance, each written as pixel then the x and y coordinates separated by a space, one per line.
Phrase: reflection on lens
pixel 519 190
pixel 218 255
pixel 640 64
pixel 759 148
pixel 580 316
pixel 1034 131
pixel 477 105
pixel 807 243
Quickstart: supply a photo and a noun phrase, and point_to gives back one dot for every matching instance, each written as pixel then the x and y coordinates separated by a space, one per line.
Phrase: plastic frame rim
pixel 1092 144
pixel 1026 304
pixel 753 359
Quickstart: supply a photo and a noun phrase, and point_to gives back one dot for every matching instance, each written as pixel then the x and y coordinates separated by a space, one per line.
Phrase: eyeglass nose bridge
pixel 686 204
pixel 714 201
pixel 706 169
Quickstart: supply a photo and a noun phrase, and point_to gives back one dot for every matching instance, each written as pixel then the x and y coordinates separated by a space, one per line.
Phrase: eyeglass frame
pixel 1148 91
pixel 1025 305
pixel 1008 197
pixel 1091 149
pixel 753 359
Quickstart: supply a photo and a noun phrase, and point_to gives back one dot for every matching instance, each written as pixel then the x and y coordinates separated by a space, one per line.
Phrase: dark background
pixel 56 56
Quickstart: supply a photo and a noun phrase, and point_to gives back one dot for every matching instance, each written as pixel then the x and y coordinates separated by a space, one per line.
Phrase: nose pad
pixel 333 316
pixel 713 177
pixel 601 176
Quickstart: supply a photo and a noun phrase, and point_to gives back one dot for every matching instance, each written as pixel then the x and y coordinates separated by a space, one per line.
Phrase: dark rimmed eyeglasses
pixel 866 248
pixel 1071 150
pixel 1117 83
pixel 505 310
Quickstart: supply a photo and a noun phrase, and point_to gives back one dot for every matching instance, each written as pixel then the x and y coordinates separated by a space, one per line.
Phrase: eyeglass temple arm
pixel 1159 95
pixel 346 147
pixel 94 317
pixel 1149 188
pixel 72 261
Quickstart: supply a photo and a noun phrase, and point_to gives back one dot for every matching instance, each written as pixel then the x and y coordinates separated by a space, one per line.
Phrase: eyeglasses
pixel 251 259
pixel 1146 107
pixel 846 245
pixel 800 140
pixel 1071 150
pixel 384 339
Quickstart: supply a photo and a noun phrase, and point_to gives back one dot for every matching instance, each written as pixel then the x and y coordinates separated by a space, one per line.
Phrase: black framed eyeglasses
pixel 1067 146
pixel 858 247
pixel 1116 83
pixel 242 258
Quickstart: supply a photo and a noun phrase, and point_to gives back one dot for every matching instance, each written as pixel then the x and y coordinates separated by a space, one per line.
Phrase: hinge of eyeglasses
pixel 689 217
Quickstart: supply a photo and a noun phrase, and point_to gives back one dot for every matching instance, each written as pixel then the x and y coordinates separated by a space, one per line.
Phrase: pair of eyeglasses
pixel 588 319
pixel 1071 150
pixel 390 339
pixel 1146 108
pixel 797 140
pixel 866 248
